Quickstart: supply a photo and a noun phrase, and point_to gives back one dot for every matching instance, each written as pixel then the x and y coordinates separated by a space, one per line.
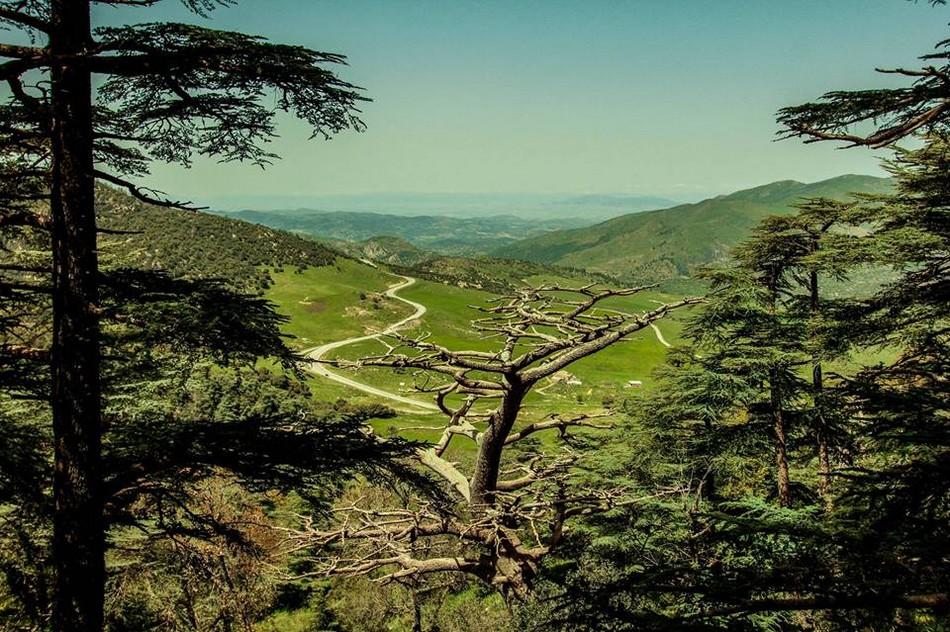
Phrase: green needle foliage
pixel 187 404
pixel 106 469
pixel 891 113
pixel 860 542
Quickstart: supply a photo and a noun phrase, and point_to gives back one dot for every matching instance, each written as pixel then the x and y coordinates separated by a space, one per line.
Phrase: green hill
pixel 485 273
pixel 667 244
pixel 196 244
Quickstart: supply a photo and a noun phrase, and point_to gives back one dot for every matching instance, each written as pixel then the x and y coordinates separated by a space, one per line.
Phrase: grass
pixel 324 304
pixel 333 302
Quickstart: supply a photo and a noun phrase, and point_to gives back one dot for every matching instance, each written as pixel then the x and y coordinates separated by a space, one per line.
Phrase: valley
pixel 436 233
pixel 644 246
pixel 340 309
pixel 340 312
pixel 315 356
pixel 573 326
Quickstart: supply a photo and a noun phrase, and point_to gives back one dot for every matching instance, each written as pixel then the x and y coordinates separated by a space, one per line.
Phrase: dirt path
pixel 315 354
pixel 656 330
pixel 659 335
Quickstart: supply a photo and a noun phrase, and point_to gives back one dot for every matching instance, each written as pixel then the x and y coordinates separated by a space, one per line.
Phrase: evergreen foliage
pixel 193 244
pixel 860 539
pixel 118 468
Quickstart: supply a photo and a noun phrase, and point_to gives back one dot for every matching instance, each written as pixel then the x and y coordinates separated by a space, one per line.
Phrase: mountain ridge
pixel 195 244
pixel 667 244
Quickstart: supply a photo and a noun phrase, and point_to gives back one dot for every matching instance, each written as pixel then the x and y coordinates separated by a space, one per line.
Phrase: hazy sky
pixel 665 97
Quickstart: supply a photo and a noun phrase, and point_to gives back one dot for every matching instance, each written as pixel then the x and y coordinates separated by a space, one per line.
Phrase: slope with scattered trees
pixel 670 243
pixel 196 244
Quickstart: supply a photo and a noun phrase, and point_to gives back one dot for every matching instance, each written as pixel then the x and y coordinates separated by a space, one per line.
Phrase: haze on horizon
pixel 562 98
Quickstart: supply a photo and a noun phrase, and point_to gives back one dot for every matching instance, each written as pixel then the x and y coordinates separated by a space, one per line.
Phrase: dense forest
pixel 170 458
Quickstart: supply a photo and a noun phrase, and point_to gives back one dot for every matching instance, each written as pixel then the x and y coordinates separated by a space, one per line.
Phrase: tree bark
pixel 416 610
pixel 488 462
pixel 778 416
pixel 78 530
pixel 824 459
pixel 781 451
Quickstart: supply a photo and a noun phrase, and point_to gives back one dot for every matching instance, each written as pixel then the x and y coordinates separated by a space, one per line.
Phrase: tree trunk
pixel 78 531
pixel 781 454
pixel 416 610
pixel 778 417
pixel 824 460
pixel 488 462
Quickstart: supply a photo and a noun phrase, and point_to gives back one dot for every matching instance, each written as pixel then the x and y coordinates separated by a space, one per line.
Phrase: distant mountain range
pixel 438 233
pixel 636 246
pixel 202 245
pixel 667 244
pixel 465 205
pixel 653 246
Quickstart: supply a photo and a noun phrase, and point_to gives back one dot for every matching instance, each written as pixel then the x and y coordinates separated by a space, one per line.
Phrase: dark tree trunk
pixel 416 610
pixel 78 533
pixel 824 460
pixel 782 482
pixel 488 462
pixel 707 485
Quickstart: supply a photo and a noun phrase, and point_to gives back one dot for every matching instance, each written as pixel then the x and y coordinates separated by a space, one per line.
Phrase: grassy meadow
pixel 344 300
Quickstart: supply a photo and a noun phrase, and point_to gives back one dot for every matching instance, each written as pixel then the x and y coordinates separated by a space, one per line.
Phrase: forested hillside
pixel 197 244
pixel 486 273
pixel 494 274
pixel 668 244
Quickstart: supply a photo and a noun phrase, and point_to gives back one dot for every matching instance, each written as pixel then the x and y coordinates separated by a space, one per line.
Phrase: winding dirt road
pixel 659 336
pixel 656 330
pixel 315 354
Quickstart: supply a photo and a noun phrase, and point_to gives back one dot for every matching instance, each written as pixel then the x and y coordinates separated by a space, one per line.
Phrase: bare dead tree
pixel 506 520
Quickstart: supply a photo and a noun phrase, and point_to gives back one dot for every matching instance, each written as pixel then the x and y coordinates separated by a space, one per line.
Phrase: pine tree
pixel 168 91
pixel 892 113
pixel 746 333
pixel 736 554
pixel 898 491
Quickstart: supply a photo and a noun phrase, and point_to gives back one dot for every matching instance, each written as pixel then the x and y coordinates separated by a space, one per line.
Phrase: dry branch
pixel 537 332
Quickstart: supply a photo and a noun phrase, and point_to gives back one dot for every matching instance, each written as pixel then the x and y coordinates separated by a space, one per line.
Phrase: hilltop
pixel 197 244
pixel 667 244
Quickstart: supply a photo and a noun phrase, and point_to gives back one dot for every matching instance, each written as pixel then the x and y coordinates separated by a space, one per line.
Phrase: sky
pixel 675 98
